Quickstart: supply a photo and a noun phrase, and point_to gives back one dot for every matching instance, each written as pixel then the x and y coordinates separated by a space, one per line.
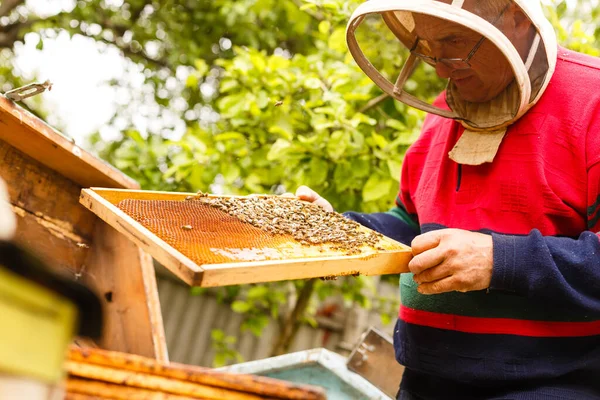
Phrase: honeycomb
pixel 213 230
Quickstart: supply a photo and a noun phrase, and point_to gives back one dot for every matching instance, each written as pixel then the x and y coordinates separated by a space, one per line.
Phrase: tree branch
pixel 8 5
pixel 315 14
pixel 9 34
pixel 292 324
pixel 374 102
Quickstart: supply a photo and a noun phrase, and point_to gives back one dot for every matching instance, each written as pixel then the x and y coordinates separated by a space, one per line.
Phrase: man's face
pixel 490 71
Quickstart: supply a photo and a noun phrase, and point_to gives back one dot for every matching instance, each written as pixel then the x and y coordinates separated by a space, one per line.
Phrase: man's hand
pixel 449 260
pixel 307 194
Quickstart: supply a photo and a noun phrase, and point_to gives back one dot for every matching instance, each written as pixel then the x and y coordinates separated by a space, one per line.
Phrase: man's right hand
pixel 307 194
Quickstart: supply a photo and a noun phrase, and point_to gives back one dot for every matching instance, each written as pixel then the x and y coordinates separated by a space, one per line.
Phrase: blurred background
pixel 237 97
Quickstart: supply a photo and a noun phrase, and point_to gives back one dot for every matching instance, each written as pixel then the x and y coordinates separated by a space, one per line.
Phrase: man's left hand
pixel 449 260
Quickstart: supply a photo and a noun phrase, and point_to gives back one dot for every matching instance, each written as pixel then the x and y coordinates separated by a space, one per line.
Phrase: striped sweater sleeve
pixel 560 269
pixel 395 224
pixel 401 222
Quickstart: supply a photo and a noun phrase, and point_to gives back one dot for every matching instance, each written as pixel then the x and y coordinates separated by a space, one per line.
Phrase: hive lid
pixel 32 136
pixel 207 244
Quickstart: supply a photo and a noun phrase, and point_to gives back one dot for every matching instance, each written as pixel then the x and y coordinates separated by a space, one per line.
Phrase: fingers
pixel 426 241
pixel 426 260
pixel 307 194
pixel 440 286
pixel 433 274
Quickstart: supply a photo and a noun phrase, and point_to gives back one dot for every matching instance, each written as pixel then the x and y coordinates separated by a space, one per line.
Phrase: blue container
pixel 318 367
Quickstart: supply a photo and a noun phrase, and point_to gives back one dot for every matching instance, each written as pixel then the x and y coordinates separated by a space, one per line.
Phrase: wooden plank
pixel 60 249
pixel 102 202
pixel 26 132
pixel 383 263
pixel 264 386
pixel 44 193
pixel 153 382
pixel 123 276
pixel 102 390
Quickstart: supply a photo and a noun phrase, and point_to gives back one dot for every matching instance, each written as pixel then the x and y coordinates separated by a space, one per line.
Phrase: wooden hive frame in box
pixel 45 172
pixel 104 202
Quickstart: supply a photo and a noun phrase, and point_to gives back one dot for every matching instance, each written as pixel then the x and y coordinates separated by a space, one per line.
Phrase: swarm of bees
pixel 309 224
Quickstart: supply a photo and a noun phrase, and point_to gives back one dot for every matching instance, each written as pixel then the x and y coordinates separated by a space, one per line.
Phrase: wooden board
pixel 103 203
pixel 128 370
pixel 50 221
pixel 31 135
pixel 123 276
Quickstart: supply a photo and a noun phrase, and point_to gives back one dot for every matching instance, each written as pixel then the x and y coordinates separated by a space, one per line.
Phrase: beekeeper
pixel 499 199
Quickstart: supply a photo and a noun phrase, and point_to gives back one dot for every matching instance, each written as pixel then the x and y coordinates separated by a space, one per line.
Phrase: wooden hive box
pixel 98 374
pixel 45 172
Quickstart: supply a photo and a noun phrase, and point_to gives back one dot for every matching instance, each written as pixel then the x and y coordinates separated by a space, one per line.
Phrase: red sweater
pixel 540 201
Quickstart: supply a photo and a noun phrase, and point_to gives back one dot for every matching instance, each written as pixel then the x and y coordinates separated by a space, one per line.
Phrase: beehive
pixel 99 374
pixel 221 240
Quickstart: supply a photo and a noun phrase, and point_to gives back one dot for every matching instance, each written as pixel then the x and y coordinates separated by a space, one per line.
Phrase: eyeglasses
pixel 455 63
pixel 452 63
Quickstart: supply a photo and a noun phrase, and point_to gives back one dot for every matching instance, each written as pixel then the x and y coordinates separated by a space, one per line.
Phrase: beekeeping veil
pixel 492 60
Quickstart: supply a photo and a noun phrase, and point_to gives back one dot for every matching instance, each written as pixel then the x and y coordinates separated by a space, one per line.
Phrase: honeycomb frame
pixel 251 265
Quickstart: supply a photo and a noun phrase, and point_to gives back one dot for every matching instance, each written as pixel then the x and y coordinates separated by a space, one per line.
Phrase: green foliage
pixel 258 304
pixel 576 29
pixel 286 122
pixel 224 347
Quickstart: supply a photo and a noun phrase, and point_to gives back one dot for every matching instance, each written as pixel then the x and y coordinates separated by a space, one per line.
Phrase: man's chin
pixel 473 96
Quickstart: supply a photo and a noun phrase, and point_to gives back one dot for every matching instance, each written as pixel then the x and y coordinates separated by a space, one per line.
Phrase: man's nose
pixel 443 71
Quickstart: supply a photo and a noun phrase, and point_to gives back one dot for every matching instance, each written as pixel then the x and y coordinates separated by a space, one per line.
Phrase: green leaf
pixel 376 188
pixel 257 291
pixel 379 140
pixel 308 6
pixel 395 124
pixel 253 183
pixel 217 334
pixel 385 319
pixel 339 141
pixel 240 306
pixel 337 40
pixel 227 85
pixel 324 27
pixel 230 172
pixel 395 169
pixel 343 176
pixel 225 136
pixel 277 62
pixel 278 149
pixel 312 83
pixel 201 66
pixel 191 81
pixel 360 118
pixel 220 360
pixel 318 171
